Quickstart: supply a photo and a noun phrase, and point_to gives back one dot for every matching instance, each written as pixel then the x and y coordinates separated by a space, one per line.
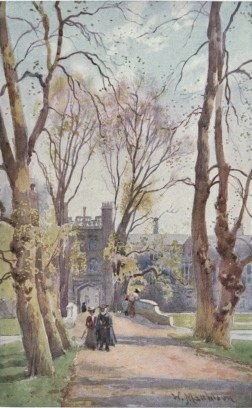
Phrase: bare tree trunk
pixel 54 302
pixel 64 278
pixel 33 331
pixel 202 264
pixel 54 339
pixel 120 290
pixel 230 269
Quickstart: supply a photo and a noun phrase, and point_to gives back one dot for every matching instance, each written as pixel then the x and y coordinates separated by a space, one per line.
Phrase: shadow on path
pixel 148 368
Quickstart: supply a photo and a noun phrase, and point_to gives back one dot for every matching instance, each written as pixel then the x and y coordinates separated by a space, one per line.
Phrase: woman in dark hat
pixel 91 320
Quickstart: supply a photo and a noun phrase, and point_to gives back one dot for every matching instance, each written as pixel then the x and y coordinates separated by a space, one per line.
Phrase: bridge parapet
pixel 151 311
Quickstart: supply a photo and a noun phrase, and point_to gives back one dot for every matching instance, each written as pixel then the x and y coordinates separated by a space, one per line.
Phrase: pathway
pixel 147 368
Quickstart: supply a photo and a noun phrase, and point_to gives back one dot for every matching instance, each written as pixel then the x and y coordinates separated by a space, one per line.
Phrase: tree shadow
pixel 12 365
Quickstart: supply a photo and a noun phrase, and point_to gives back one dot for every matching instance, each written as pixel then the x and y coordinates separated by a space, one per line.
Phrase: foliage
pixel 131 262
pixel 17 390
pixel 6 234
pixel 78 259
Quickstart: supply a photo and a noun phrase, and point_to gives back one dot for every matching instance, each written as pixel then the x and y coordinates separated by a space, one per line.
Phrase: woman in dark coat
pixel 91 320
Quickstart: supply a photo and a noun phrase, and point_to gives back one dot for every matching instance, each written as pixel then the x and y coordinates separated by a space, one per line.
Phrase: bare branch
pixel 3 89
pixel 188 59
pixel 244 202
pixel 246 261
pixel 5 259
pixel 33 75
pixel 6 276
pixel 239 70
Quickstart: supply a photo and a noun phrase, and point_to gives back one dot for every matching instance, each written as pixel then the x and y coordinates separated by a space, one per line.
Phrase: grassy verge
pixel 9 327
pixel 187 320
pixel 241 350
pixel 243 318
pixel 17 390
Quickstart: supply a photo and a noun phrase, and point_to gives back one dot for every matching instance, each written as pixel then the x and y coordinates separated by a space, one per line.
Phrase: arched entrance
pixel 90 294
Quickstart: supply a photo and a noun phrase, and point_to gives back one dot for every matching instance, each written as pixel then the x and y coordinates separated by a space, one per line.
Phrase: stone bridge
pixel 151 311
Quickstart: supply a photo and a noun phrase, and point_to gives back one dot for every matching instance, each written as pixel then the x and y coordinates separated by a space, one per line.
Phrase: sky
pixel 153 39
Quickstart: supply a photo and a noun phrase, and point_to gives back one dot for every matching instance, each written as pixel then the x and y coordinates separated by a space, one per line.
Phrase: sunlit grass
pixel 9 327
pixel 187 320
pixel 17 390
pixel 243 318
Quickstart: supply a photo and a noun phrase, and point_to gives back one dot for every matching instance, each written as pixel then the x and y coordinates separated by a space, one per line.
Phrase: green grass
pixel 187 320
pixel 9 327
pixel 242 326
pixel 241 350
pixel 243 318
pixel 18 390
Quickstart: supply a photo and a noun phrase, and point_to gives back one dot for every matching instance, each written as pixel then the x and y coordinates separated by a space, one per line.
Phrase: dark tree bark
pixel 203 267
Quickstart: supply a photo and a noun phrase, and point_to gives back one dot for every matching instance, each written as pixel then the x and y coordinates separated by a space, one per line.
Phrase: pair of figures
pixel 128 305
pixel 99 329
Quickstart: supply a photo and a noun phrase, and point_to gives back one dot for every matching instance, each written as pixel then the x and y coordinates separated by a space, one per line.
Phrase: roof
pixel 243 245
pixel 150 238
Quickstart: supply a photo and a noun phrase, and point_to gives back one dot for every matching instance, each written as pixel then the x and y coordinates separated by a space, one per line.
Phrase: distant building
pixel 184 296
pixel 95 286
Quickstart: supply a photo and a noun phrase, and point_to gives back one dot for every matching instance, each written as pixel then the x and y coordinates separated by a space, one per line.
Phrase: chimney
pixel 155 229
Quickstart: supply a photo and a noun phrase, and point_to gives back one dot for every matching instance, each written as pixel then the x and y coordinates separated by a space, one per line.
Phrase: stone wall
pixel 151 311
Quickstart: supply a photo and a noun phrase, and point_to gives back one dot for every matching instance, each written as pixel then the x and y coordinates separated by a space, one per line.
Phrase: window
pixel 93 243
pixel 82 246
pixel 93 265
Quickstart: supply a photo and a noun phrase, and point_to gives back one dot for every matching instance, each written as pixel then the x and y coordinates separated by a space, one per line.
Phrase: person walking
pixel 132 298
pixel 125 305
pixel 104 329
pixel 83 307
pixel 90 329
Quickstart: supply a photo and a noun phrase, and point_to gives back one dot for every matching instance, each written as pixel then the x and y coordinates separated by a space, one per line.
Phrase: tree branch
pixel 6 276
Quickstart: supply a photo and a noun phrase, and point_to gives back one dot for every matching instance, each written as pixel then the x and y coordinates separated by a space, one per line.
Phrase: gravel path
pixel 147 368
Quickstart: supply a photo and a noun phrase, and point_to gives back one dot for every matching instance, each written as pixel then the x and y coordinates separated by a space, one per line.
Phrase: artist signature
pixel 189 397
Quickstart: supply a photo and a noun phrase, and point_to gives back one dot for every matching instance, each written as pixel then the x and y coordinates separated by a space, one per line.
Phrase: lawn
pixel 17 390
pixel 187 320
pixel 9 327
pixel 241 349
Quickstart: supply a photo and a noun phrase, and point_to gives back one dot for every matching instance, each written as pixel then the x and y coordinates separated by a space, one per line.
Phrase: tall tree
pixel 203 267
pixel 231 267
pixel 214 325
pixel 17 152
pixel 71 136
pixel 139 149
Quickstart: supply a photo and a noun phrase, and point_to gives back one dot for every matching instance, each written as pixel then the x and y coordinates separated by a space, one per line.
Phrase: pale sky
pixel 150 39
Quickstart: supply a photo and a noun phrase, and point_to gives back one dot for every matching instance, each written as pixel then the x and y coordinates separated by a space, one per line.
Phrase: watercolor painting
pixel 125 204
